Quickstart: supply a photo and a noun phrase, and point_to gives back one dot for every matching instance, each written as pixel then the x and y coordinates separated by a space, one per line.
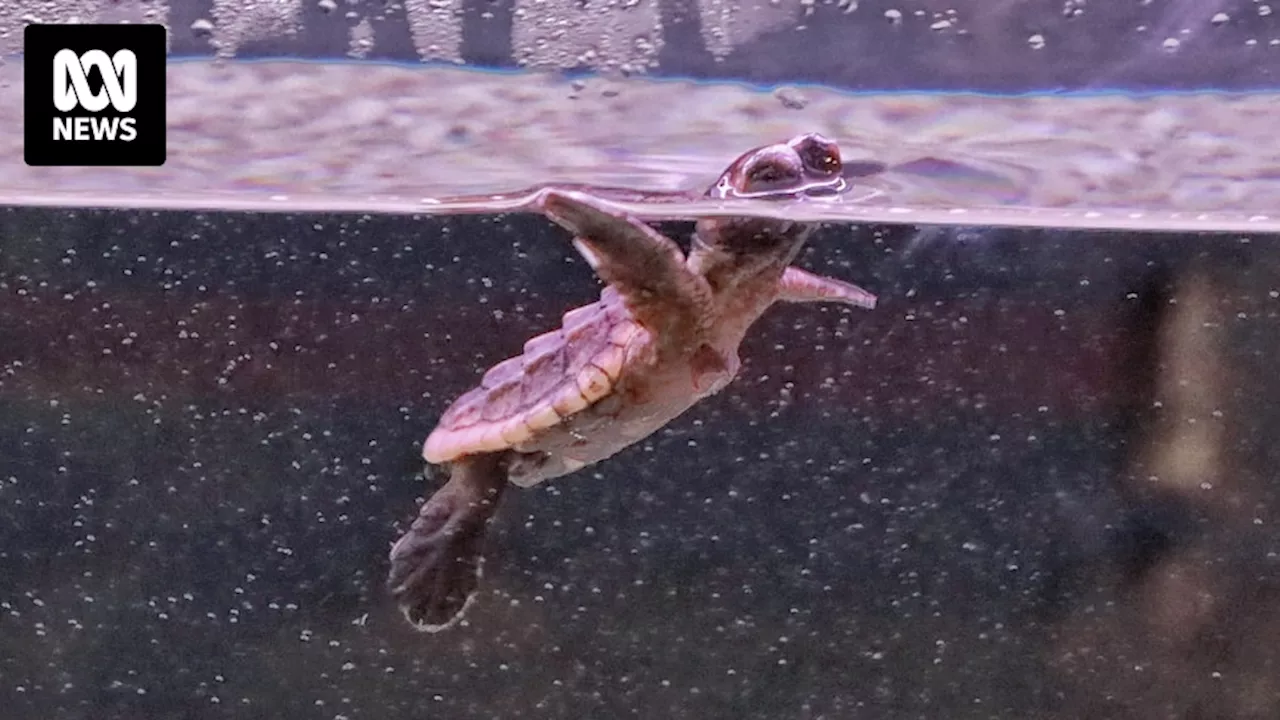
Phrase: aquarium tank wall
pixel 1035 480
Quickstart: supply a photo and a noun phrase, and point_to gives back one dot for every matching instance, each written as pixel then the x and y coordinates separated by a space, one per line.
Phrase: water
pixel 1035 482
pixel 1036 473
pixel 382 138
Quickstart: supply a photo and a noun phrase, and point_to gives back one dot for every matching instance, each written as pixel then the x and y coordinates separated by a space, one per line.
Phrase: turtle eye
pixel 819 156
pixel 824 163
pixel 821 160
pixel 768 176
pixel 764 175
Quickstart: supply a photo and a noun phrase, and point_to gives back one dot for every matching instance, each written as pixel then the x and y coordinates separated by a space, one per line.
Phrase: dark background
pixel 989 498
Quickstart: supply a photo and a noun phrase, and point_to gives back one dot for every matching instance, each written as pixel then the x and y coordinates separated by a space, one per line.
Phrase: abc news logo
pixel 71 90
pixel 94 95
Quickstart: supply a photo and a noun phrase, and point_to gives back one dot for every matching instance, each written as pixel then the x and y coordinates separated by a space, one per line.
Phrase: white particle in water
pixel 1220 19
pixel 1171 44
pixel 893 16
pixel 1036 41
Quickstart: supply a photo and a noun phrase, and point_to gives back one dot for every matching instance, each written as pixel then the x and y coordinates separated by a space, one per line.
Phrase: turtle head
pixel 804 165
pixel 726 248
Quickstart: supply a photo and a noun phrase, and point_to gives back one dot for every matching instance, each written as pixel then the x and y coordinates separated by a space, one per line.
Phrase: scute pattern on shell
pixel 559 373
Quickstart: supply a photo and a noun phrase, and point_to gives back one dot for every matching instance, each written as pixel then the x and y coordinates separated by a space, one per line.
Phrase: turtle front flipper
pixel 646 268
pixel 435 566
pixel 801 286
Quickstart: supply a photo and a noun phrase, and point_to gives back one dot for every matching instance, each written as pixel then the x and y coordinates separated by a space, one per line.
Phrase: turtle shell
pixel 559 374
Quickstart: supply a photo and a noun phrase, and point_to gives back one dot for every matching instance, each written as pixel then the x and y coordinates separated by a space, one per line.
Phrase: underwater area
pixel 1035 481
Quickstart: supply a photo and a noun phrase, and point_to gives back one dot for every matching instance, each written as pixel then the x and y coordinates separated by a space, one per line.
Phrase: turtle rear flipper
pixel 435 566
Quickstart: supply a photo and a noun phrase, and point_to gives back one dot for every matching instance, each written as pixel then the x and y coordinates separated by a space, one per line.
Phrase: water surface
pixel 364 137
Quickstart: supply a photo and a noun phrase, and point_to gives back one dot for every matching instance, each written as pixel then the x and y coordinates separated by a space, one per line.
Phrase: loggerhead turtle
pixel 663 335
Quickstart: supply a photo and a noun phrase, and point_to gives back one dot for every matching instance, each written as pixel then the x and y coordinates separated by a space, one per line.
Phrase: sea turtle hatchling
pixel 663 335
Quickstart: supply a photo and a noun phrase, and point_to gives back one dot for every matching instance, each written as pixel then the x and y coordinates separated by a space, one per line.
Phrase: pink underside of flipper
pixel 802 286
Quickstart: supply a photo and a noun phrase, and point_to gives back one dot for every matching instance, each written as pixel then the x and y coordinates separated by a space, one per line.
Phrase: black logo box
pixel 41 43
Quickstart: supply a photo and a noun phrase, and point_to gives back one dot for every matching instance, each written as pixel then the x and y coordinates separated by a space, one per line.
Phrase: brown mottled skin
pixel 664 335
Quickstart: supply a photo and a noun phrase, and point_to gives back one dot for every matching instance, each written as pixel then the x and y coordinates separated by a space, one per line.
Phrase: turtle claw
pixel 436 565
